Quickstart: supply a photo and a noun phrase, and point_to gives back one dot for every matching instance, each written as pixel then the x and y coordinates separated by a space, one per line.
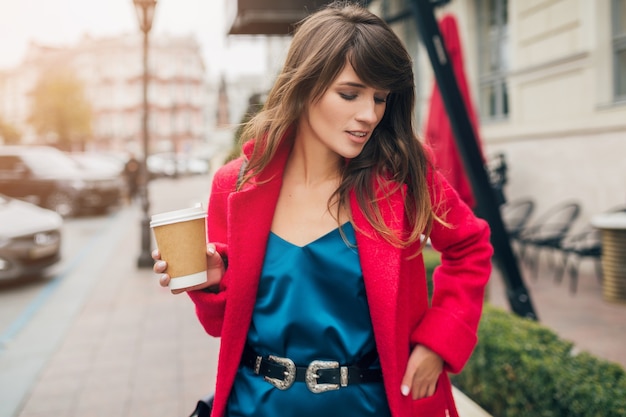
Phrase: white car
pixel 30 238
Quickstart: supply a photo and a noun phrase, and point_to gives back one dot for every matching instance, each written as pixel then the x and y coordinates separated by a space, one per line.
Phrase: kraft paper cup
pixel 181 238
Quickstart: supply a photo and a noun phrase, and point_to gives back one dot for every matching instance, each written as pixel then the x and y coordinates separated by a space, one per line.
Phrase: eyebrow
pixel 360 85
pixel 353 84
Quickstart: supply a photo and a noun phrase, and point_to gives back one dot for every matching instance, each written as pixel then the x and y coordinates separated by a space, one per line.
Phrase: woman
pixel 316 282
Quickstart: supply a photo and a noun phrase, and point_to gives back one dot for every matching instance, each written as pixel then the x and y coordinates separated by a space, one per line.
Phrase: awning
pixel 268 17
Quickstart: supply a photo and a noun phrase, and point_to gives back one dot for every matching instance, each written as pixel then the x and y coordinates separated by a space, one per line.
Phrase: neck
pixel 312 165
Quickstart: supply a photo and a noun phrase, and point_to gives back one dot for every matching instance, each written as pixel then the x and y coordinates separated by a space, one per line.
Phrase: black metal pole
pixel 465 138
pixel 145 258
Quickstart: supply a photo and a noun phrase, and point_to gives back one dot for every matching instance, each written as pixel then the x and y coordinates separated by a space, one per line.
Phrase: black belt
pixel 319 376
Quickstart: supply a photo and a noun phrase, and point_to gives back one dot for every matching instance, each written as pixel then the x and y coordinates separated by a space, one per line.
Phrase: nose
pixel 368 112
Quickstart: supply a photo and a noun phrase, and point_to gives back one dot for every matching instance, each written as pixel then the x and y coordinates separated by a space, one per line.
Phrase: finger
pixel 407 380
pixel 159 267
pixel 425 379
pixel 422 390
pixel 422 371
pixel 164 280
pixel 214 259
pixel 156 255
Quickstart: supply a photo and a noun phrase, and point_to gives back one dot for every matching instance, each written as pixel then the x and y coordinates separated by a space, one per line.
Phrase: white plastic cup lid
pixel 176 216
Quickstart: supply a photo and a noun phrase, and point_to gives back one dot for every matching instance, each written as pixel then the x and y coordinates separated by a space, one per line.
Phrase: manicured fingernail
pixel 211 250
pixel 160 264
pixel 405 390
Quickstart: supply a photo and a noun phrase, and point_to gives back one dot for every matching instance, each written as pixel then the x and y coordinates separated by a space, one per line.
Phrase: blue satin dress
pixel 311 305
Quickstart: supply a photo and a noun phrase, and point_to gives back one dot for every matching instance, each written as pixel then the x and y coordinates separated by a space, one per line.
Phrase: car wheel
pixel 62 203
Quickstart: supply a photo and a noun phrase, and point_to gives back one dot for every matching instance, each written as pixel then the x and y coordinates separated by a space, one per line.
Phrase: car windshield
pixel 47 162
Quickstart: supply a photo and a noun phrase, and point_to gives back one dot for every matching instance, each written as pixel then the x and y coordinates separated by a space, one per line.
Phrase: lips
pixel 358 137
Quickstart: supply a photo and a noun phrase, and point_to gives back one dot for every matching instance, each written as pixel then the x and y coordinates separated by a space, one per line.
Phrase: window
pixel 619 48
pixel 11 167
pixel 493 47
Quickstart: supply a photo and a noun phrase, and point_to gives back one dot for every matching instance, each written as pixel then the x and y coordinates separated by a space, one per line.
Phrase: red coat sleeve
pixel 210 307
pixel 450 325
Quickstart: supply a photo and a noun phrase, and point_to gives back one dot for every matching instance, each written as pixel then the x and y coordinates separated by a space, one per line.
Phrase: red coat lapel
pixel 380 263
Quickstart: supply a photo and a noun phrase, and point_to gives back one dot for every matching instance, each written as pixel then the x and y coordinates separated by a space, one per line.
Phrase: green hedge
pixel 521 368
pixel 432 258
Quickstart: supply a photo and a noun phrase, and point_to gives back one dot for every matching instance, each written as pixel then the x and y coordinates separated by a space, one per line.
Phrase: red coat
pixel 239 223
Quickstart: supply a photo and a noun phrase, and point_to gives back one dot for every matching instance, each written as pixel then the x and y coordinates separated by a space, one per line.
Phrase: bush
pixel 432 259
pixel 521 368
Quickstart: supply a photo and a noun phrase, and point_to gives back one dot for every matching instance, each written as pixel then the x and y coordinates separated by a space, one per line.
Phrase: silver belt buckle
pixel 311 376
pixel 290 373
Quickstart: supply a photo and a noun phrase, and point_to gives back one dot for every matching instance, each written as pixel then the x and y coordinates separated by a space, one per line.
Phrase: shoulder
pixel 225 178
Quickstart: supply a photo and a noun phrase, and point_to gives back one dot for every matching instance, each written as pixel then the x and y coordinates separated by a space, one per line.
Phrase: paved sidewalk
pixel 133 349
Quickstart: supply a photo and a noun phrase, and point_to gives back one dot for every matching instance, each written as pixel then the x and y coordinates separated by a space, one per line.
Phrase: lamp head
pixel 145 13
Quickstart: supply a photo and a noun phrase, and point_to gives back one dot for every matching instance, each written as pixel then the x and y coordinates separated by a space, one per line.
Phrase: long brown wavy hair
pixel 393 156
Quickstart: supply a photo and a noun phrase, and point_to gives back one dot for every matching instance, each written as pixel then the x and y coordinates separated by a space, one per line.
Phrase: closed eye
pixel 348 97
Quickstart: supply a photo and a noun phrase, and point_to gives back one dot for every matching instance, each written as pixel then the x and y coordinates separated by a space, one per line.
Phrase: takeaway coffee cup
pixel 181 238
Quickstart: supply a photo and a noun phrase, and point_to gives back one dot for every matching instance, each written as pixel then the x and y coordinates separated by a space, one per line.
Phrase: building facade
pixel 112 72
pixel 549 80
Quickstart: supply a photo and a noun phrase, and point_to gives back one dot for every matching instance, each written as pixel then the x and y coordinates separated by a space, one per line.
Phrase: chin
pixel 350 154
pixel 353 150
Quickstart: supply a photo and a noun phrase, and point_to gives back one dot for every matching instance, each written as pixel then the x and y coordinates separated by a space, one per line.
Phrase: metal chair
pixel 515 215
pixel 546 233
pixel 584 244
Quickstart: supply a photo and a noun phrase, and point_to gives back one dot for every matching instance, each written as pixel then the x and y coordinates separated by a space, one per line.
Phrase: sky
pixel 64 22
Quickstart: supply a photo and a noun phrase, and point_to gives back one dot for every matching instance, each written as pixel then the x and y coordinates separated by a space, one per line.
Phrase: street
pixel 99 257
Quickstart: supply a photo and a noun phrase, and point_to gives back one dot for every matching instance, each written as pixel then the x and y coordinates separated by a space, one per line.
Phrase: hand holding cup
pixel 182 250
pixel 215 270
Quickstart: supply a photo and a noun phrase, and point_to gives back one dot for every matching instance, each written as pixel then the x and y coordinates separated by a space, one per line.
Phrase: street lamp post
pixel 174 133
pixel 145 14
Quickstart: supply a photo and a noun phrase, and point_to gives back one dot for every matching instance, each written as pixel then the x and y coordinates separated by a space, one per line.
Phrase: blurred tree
pixel 9 134
pixel 60 109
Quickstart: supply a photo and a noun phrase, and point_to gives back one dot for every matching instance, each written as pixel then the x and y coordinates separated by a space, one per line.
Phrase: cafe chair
pixel 546 233
pixel 575 248
pixel 584 244
pixel 516 214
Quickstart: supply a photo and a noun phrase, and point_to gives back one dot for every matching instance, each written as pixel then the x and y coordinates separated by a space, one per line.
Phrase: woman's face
pixel 345 116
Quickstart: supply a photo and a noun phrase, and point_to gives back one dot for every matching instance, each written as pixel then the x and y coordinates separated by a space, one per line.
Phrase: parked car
pixel 197 166
pixel 47 177
pixel 107 165
pixel 163 165
pixel 168 164
pixel 30 238
pixel 102 165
